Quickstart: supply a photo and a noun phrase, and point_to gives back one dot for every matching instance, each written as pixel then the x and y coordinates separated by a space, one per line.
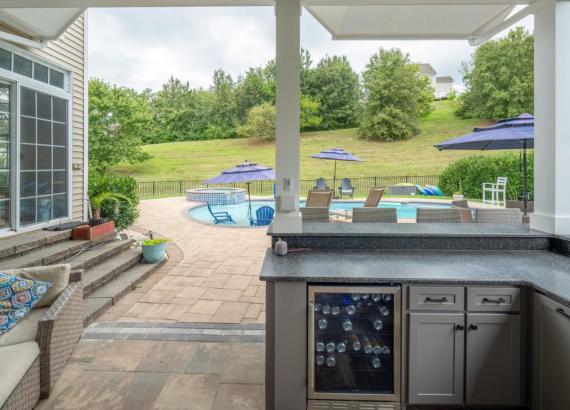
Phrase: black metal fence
pixel 158 189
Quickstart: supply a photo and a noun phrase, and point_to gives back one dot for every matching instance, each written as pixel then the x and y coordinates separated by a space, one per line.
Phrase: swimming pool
pixel 239 211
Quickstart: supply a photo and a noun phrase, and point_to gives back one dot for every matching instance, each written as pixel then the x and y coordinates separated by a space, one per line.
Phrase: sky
pixel 141 48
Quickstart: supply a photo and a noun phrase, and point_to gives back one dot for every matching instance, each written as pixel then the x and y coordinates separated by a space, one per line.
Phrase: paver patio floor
pixel 190 337
pixel 214 277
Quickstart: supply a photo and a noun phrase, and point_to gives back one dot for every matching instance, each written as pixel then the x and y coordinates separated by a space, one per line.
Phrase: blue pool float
pixel 436 191
pixel 427 191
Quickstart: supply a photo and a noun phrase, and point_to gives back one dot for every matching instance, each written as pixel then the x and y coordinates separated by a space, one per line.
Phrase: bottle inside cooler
pixel 354 351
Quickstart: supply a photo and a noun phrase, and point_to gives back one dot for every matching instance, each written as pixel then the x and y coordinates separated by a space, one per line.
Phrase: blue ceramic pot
pixel 154 253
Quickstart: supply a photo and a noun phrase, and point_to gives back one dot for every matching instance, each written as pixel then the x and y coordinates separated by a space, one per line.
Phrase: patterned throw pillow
pixel 17 297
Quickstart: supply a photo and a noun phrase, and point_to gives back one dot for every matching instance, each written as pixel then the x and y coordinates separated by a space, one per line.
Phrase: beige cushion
pixel 16 360
pixel 25 330
pixel 57 275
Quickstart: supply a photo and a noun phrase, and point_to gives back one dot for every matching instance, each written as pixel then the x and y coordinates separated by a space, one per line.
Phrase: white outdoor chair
pixel 497 191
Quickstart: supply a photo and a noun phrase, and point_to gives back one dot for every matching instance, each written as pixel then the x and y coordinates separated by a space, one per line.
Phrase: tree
pixel 119 120
pixel 499 79
pixel 310 118
pixel 260 123
pixel 395 97
pixel 223 115
pixel 256 87
pixel 336 86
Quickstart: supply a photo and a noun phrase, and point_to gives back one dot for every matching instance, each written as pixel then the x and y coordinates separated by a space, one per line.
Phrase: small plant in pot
pixel 154 250
pixel 458 195
pixel 97 202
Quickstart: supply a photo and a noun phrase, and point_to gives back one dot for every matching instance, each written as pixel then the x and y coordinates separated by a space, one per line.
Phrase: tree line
pixel 385 101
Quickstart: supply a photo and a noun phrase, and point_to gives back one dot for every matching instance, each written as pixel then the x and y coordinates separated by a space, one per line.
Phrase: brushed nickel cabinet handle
pixel 442 300
pixel 497 301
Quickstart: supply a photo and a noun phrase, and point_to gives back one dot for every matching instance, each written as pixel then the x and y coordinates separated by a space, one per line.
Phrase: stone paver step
pixel 99 274
pixel 95 307
pixel 45 256
pixel 116 288
pixel 99 254
pixel 27 242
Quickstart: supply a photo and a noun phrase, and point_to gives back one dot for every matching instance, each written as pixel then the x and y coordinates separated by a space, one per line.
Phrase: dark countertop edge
pixel 414 281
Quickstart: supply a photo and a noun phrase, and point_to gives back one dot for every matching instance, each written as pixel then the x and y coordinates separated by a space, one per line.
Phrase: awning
pixel 39 23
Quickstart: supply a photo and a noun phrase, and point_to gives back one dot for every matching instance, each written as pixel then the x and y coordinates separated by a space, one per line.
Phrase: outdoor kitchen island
pixel 417 318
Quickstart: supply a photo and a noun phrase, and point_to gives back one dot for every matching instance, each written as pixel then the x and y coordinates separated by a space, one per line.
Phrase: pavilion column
pixel 552 119
pixel 287 147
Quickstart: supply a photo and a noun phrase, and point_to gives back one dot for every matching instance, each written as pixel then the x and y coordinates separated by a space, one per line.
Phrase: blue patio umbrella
pixel 510 133
pixel 245 172
pixel 336 154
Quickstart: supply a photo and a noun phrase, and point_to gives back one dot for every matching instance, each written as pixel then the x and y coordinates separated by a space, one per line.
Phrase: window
pixel 43 157
pixel 24 66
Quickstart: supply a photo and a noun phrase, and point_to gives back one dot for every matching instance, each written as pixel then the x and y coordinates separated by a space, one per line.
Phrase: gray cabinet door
pixel 435 366
pixel 493 359
pixel 551 351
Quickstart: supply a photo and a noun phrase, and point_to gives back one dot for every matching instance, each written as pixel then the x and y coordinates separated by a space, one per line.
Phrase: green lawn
pixel 416 156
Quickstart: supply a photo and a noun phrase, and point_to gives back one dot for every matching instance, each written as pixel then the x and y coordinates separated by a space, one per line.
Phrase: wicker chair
pixel 373 198
pixel 463 203
pixel 498 216
pixel 59 329
pixel 315 214
pixel 374 215
pixel 439 215
pixel 319 199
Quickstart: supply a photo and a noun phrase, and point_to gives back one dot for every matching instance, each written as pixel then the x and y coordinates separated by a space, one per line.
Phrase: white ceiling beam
pixel 489 31
pixel 316 3
pixel 130 3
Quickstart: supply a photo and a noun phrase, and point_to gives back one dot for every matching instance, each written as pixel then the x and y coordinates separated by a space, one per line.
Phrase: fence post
pixel 153 188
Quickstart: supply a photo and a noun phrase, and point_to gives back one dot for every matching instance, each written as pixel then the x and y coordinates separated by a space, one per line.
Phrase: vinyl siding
pixel 69 53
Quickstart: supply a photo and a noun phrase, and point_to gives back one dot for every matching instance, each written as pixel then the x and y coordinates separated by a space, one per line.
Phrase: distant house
pixel 427 70
pixel 443 86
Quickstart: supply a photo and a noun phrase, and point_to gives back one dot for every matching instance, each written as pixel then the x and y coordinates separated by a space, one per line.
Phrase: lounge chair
pixel 346 188
pixel 498 216
pixel 321 185
pixel 319 199
pixel 498 191
pixel 439 215
pixel 221 216
pixel 374 215
pixel 263 216
pixel 315 214
pixel 373 198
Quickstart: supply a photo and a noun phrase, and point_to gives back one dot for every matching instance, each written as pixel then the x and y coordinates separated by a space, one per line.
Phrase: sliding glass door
pixel 43 157
pixel 5 157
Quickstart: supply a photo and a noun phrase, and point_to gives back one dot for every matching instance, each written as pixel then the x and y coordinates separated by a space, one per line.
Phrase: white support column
pixel 287 147
pixel 552 122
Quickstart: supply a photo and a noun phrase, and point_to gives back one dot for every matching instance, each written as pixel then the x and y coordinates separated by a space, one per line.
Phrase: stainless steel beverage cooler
pixel 354 347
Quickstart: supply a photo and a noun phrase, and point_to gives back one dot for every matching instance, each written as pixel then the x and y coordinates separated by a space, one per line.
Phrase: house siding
pixel 69 53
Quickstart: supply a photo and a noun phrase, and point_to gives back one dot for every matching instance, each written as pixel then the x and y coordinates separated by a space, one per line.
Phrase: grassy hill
pixel 416 156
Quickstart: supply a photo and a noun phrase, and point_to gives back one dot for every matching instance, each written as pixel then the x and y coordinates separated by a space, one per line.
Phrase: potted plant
pixel 154 250
pixel 458 195
pixel 98 226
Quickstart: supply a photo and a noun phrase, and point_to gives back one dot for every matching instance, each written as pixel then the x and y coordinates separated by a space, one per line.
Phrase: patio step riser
pixel 87 261
pixel 103 275
pixel 109 294
pixel 29 243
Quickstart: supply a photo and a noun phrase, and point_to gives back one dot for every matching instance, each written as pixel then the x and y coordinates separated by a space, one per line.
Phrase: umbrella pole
pixel 334 179
pixel 525 180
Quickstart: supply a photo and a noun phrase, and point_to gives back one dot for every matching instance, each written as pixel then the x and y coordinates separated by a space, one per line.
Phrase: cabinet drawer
pixel 436 298
pixel 483 299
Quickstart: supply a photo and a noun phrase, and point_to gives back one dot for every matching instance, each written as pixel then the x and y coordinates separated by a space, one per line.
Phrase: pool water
pixel 239 212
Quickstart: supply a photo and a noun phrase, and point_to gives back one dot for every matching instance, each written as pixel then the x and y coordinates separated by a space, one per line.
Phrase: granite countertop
pixel 545 271
pixel 445 230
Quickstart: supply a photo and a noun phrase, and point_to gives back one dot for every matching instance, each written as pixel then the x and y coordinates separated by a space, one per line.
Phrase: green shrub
pixel 389 124
pixel 260 123
pixel 127 186
pixel 468 174
pixel 150 242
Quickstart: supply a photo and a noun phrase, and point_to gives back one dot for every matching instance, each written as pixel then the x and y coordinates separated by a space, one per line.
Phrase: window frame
pixel 18 81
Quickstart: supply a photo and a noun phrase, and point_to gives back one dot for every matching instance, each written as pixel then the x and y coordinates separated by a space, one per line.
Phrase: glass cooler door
pixel 354 343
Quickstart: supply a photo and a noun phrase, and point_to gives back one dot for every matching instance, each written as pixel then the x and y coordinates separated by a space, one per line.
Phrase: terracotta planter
pixel 90 233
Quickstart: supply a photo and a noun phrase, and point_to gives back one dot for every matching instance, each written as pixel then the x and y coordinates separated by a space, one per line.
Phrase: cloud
pixel 142 48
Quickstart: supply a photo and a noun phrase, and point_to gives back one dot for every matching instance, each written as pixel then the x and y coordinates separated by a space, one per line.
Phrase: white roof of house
pixel 474 20
pixel 426 69
pixel 444 79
